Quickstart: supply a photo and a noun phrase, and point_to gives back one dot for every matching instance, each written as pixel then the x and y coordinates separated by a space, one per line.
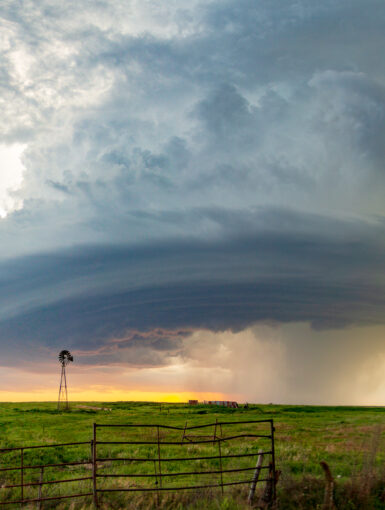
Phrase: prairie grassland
pixel 350 439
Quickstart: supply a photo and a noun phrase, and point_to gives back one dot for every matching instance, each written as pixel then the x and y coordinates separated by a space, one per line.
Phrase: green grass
pixel 350 439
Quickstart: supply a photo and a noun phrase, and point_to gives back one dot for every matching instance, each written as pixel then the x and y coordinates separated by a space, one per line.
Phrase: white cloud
pixel 11 177
pixel 100 96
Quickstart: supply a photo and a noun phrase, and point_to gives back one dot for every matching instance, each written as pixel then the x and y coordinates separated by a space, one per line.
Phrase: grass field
pixel 350 439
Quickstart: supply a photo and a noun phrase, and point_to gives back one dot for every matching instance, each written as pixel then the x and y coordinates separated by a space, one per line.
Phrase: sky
pixel 192 200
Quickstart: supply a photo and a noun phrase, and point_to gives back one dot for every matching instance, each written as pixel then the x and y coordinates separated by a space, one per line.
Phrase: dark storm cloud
pixel 190 165
pixel 314 270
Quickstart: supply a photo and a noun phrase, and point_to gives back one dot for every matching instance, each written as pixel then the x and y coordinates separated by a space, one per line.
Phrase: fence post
pixel 40 487
pixel 255 477
pixel 159 459
pixel 220 463
pixel 157 484
pixel 184 431
pixel 267 499
pixel 159 469
pixel 328 503
pixel 93 442
pixel 22 474
pixel 273 461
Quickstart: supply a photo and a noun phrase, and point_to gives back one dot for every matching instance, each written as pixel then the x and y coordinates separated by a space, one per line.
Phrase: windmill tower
pixel 65 357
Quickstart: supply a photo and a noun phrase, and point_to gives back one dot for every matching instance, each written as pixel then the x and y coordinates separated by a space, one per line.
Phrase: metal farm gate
pixel 23 480
pixel 144 458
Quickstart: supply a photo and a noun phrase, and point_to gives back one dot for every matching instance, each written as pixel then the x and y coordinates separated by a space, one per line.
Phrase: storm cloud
pixel 186 167
pixel 313 270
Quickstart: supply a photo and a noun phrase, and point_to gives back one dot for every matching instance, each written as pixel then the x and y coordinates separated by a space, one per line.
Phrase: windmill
pixel 65 357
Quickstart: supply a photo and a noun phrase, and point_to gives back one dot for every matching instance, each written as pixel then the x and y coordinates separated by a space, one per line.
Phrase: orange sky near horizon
pixel 282 364
pixel 108 395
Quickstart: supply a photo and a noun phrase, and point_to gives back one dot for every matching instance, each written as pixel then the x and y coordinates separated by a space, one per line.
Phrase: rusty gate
pixel 134 458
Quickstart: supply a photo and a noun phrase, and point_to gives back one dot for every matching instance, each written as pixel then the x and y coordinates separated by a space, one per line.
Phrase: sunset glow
pixel 107 395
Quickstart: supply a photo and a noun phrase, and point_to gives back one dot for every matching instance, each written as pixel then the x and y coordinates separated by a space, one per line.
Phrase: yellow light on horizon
pixel 109 395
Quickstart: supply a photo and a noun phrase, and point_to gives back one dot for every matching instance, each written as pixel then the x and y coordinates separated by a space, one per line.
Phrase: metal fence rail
pixel 215 440
pixel 156 444
pixel 39 484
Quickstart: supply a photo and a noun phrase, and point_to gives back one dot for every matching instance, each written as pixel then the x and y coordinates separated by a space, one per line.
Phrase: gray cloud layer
pixel 191 165
pixel 285 273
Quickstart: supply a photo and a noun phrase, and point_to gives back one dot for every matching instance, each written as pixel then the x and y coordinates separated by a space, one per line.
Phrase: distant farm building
pixel 193 402
pixel 224 403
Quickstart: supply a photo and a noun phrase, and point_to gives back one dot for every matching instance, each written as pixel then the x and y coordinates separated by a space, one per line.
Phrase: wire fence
pixel 130 458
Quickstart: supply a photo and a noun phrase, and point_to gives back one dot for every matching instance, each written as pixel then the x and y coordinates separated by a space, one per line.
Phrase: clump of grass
pixel 189 500
pixel 354 494
pixel 364 490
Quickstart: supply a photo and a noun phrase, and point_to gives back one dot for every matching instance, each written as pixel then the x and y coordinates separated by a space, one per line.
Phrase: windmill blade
pixel 65 357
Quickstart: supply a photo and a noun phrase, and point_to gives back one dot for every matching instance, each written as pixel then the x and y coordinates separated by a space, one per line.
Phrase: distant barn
pixel 224 403
pixel 193 402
